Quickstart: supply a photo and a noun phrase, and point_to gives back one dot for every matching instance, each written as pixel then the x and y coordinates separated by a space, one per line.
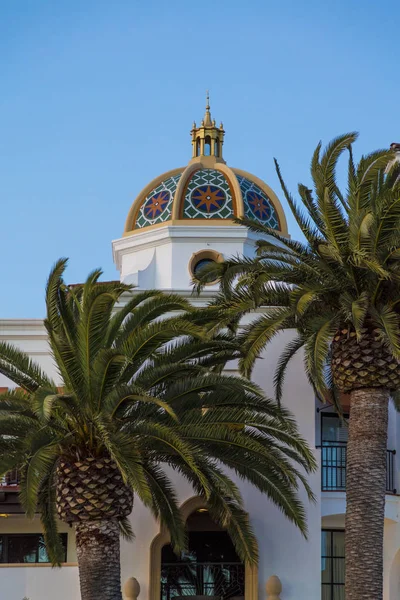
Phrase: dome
pixel 206 191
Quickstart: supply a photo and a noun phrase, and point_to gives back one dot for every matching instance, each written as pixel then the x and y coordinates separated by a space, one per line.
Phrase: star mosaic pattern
pixel 208 196
pixel 157 206
pixel 257 205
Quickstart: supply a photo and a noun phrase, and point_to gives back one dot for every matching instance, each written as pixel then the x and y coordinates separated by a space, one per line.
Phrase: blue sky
pixel 98 97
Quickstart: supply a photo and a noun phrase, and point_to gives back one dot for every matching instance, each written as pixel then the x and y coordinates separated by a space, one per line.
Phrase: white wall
pixel 39 583
pixel 283 550
pixel 30 336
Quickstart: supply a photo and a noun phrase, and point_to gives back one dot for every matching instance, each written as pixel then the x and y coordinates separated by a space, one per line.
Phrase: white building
pixel 180 220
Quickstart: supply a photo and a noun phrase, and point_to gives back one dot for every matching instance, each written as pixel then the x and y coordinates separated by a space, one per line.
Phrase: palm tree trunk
pixel 365 493
pixel 98 551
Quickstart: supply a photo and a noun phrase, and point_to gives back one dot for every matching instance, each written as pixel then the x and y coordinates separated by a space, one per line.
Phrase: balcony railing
pixel 10 480
pixel 333 470
pixel 220 581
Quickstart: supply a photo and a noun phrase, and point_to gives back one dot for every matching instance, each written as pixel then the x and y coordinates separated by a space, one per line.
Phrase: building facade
pixel 179 222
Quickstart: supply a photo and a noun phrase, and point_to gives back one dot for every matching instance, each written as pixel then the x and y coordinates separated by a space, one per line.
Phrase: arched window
pixel 216 147
pixel 198 147
pixel 207 146
pixel 210 567
pixel 159 549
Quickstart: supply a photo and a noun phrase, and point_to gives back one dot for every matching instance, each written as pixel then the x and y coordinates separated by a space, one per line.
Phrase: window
pixel 199 260
pixel 198 267
pixel 216 147
pixel 198 147
pixel 26 548
pixel 207 146
pixel 334 430
pixel 334 433
pixel 332 564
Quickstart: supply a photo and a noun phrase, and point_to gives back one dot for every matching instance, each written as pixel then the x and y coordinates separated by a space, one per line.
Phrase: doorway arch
pixel 163 538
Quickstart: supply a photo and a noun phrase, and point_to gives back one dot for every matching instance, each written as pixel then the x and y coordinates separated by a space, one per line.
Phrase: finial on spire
pixel 207 116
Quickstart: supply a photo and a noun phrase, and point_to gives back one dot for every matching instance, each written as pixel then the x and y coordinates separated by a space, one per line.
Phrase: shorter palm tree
pixel 140 391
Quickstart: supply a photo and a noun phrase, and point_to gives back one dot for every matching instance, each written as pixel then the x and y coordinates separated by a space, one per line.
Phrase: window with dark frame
pixel 334 429
pixel 332 564
pixel 334 434
pixel 18 548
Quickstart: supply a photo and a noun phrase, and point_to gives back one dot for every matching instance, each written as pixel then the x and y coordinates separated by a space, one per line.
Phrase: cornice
pixel 17 328
pixel 180 233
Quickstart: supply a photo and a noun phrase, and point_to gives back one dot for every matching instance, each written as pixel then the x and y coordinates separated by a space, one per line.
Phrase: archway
pixel 173 577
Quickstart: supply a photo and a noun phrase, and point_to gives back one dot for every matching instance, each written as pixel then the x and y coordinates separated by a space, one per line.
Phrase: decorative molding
pixel 193 231
pixel 273 588
pixel 34 326
pixel 131 589
pixel 34 565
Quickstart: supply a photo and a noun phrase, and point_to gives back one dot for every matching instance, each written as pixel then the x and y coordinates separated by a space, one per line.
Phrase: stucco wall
pixel 39 583
pixel 283 550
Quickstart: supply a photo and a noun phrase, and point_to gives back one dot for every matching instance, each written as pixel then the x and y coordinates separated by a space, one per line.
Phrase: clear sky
pixel 97 97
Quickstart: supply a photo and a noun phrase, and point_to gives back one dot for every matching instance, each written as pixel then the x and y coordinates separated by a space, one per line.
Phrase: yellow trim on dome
pixel 181 189
pixel 234 184
pixel 135 207
pixel 182 222
pixel 271 195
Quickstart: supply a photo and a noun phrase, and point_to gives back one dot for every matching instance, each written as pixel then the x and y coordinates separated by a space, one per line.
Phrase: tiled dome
pixel 207 191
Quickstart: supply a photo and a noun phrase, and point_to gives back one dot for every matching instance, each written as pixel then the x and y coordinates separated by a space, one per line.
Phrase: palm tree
pixel 340 291
pixel 140 391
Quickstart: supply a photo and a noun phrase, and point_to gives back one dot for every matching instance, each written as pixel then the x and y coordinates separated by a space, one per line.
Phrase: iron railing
pixel 390 472
pixel 333 472
pixel 191 578
pixel 12 479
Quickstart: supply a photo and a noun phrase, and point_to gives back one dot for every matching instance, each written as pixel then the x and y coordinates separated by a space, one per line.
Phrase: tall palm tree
pixel 140 391
pixel 340 291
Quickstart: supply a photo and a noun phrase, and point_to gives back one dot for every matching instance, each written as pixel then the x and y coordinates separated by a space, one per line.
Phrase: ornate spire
pixel 207 117
pixel 207 139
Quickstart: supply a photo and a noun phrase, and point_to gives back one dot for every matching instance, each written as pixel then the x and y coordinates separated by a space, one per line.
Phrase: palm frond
pixel 142 386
